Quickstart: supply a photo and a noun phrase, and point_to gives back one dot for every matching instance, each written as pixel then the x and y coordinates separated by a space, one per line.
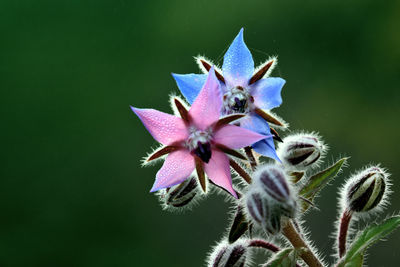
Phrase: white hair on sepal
pixel 198 60
pixel 271 68
pixel 237 177
pixel 285 125
pixel 145 160
pixel 172 97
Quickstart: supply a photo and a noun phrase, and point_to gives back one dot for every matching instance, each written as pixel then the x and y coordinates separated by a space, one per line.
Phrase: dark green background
pixel 72 189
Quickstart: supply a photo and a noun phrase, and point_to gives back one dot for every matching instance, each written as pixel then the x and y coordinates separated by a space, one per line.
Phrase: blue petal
pixel 267 92
pixel 257 124
pixel 238 64
pixel 190 84
pixel 266 147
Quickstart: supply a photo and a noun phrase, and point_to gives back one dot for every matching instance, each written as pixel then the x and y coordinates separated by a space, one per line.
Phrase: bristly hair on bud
pixel 366 192
pixel 302 151
pixel 270 197
pixel 181 197
pixel 232 255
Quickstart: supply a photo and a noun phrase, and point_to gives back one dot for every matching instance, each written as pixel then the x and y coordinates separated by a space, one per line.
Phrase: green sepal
pixel 370 235
pixel 286 257
pixel 319 180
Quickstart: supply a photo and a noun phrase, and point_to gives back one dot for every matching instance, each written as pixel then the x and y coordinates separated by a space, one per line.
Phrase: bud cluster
pixel 366 191
pixel 301 151
pixel 270 197
pixel 232 255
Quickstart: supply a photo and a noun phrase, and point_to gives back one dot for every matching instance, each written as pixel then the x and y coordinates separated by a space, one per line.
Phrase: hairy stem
pixel 343 229
pixel 297 241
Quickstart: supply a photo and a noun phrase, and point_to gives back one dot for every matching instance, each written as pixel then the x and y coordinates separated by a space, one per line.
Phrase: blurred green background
pixel 72 189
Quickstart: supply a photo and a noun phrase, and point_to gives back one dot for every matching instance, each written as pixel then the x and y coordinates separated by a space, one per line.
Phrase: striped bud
pixel 256 207
pixel 301 151
pixel 269 198
pixel 232 255
pixel 264 212
pixel 273 181
pixel 180 195
pixel 366 190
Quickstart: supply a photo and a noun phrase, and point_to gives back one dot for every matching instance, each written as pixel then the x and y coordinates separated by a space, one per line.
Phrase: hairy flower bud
pixel 273 180
pixel 232 255
pixel 269 198
pixel 366 190
pixel 180 195
pixel 255 207
pixel 301 151
pixel 264 212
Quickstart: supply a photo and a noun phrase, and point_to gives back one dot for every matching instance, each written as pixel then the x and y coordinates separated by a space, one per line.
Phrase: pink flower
pixel 199 140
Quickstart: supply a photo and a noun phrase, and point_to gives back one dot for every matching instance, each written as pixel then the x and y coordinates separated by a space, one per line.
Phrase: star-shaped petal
pixel 197 141
pixel 244 89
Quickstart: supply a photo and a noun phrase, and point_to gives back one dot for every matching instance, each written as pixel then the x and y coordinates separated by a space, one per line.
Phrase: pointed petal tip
pixel 133 109
pixel 154 189
pixel 239 36
pixel 238 65
pixel 175 74
pixel 234 194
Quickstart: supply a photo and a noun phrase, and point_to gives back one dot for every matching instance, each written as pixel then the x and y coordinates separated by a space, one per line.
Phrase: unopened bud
pixel 264 212
pixel 180 195
pixel 229 255
pixel 270 197
pixel 366 190
pixel 273 180
pixel 301 151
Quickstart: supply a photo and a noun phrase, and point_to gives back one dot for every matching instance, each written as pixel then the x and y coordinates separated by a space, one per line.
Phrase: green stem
pixel 290 232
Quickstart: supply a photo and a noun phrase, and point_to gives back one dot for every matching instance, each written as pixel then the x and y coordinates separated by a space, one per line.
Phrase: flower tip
pixel 133 108
pixel 152 190
pixel 155 188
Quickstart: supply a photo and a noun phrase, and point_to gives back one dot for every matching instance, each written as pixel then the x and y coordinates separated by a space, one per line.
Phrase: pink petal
pixel 206 108
pixel 236 137
pixel 219 172
pixel 165 128
pixel 177 167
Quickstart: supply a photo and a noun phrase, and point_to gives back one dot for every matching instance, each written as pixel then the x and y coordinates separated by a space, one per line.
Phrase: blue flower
pixel 244 89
